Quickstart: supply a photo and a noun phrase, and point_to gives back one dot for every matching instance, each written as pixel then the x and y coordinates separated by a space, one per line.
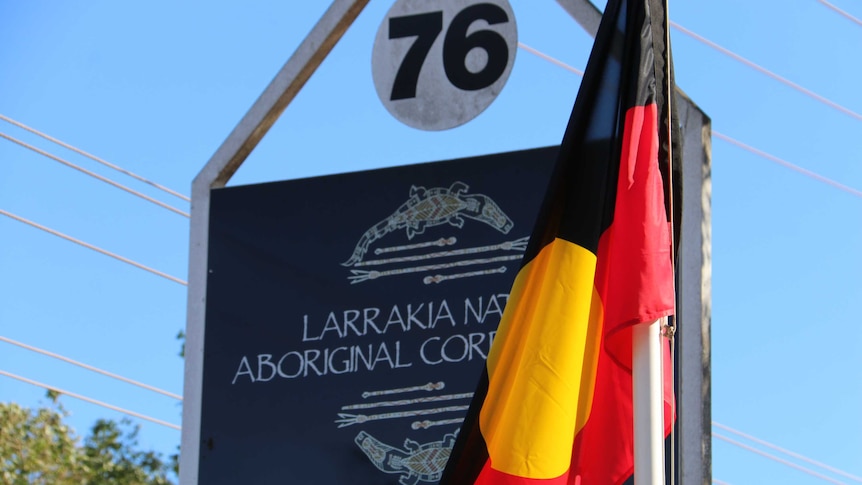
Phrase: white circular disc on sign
pixel 438 64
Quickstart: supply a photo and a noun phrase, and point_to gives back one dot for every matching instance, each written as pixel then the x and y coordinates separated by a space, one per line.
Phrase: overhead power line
pixel 784 163
pixel 763 70
pixel 94 248
pixel 91 368
pixel 93 157
pixel 550 59
pixel 721 136
pixel 777 459
pixel 841 12
pixel 91 400
pixel 788 452
pixel 93 174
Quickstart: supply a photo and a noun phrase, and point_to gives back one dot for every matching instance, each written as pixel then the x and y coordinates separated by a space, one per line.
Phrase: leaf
pixel 37 448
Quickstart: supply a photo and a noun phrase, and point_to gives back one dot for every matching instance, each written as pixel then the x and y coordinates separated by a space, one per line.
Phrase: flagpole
pixel 648 403
pixel 648 340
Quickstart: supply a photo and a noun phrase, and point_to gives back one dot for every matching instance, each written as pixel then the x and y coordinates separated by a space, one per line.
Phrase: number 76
pixel 457 44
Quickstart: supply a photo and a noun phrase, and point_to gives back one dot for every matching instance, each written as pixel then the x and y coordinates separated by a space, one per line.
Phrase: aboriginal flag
pixel 554 404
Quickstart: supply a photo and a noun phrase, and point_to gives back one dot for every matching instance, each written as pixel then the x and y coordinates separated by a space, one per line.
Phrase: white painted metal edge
pixel 585 13
pixel 216 173
pixel 694 414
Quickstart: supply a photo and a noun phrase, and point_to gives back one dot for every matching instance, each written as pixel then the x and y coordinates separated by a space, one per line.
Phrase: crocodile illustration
pixel 416 463
pixel 434 207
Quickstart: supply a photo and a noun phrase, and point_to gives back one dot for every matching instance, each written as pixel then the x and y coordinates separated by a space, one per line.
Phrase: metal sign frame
pixel 694 420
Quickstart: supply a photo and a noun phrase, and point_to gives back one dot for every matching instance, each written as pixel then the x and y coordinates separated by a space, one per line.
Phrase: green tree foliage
pixel 37 448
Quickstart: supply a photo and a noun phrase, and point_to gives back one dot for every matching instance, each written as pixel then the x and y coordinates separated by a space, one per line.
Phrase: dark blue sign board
pixel 348 316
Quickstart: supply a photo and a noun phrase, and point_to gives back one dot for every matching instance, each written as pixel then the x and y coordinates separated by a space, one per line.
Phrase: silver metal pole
pixel 648 403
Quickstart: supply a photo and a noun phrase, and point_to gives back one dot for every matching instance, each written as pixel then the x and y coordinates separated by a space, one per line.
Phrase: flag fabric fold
pixel 554 403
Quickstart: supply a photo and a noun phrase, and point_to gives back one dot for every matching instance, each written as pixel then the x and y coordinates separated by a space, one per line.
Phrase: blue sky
pixel 156 87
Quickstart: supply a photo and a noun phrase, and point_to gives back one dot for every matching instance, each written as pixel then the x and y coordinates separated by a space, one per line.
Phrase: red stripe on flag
pixel 634 277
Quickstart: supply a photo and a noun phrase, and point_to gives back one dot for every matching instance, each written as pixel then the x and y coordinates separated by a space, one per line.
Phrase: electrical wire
pixel 93 174
pixel 91 400
pixel 721 136
pixel 550 59
pixel 94 248
pixel 786 164
pixel 788 452
pixel 93 157
pixel 841 12
pixel 90 368
pixel 767 72
pixel 777 459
